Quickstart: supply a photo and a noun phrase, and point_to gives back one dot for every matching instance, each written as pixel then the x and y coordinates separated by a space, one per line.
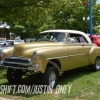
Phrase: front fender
pixel 46 55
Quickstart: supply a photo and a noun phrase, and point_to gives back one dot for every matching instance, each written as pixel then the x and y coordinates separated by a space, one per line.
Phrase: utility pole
pixel 90 16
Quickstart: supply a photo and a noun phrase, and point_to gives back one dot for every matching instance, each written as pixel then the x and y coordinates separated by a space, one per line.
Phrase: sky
pixel 98 1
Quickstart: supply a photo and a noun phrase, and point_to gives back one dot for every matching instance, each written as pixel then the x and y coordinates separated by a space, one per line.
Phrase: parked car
pixel 14 42
pixel 29 39
pixel 3 43
pixel 95 39
pixel 10 42
pixel 53 52
pixel 18 42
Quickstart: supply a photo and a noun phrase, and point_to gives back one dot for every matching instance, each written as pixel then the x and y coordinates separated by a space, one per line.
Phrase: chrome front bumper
pixel 19 63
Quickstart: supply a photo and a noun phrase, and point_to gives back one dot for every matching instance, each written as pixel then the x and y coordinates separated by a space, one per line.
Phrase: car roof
pixel 69 31
pixel 66 31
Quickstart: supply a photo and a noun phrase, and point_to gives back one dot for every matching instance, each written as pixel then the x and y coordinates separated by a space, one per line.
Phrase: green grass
pixel 85 86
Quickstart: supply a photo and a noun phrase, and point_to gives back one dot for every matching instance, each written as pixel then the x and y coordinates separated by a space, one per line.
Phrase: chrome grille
pixel 16 59
pixel 17 62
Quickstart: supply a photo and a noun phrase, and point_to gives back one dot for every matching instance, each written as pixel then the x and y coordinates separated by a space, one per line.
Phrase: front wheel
pixel 50 77
pixel 96 65
pixel 14 75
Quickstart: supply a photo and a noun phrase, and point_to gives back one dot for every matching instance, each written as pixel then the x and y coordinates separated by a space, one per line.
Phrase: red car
pixel 95 39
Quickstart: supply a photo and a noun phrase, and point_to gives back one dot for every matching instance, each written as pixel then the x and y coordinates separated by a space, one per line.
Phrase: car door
pixel 77 56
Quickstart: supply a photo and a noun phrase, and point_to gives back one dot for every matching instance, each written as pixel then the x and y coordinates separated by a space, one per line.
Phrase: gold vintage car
pixel 53 52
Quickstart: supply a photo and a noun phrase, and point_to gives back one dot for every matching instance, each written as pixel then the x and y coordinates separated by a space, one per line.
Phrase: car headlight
pixel 35 55
pixel 1 53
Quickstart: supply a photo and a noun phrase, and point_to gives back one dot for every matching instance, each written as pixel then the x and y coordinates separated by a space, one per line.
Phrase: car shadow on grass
pixel 33 80
pixel 70 75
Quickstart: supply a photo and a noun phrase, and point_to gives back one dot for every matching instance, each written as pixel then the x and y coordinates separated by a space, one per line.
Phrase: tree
pixel 24 15
pixel 29 17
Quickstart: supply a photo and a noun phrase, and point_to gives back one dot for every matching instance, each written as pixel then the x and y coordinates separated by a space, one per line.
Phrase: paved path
pixel 1 98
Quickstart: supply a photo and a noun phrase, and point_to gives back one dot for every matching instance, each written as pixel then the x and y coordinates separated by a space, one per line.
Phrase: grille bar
pixel 19 61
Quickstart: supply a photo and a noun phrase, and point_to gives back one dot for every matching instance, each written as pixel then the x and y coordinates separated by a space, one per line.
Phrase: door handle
pixel 82 45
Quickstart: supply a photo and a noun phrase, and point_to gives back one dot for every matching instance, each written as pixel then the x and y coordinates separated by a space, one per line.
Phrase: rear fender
pixel 94 52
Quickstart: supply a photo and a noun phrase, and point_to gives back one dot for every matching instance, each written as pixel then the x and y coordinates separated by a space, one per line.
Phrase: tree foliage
pixel 28 17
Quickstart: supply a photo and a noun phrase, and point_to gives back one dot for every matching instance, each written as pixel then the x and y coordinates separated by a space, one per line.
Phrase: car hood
pixel 34 46
pixel 37 44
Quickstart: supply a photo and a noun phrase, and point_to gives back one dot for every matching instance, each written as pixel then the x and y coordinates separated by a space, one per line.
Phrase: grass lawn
pixel 85 86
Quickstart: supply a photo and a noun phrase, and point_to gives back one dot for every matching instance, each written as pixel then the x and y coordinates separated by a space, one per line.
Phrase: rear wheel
pixel 14 75
pixel 96 65
pixel 50 77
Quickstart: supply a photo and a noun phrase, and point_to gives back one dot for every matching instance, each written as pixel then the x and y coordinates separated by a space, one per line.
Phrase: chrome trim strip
pixel 21 58
pixel 66 56
pixel 15 67
pixel 77 55
pixel 25 64
pixel 57 57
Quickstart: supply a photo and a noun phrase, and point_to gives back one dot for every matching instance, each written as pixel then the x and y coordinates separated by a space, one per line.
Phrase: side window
pixel 77 38
pixel 73 38
pixel 82 39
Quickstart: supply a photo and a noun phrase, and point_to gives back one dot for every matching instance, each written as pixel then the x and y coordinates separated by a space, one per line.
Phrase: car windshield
pixel 51 36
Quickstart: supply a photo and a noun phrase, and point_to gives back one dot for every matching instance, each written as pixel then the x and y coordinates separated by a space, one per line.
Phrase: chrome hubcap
pixel 98 64
pixel 52 78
